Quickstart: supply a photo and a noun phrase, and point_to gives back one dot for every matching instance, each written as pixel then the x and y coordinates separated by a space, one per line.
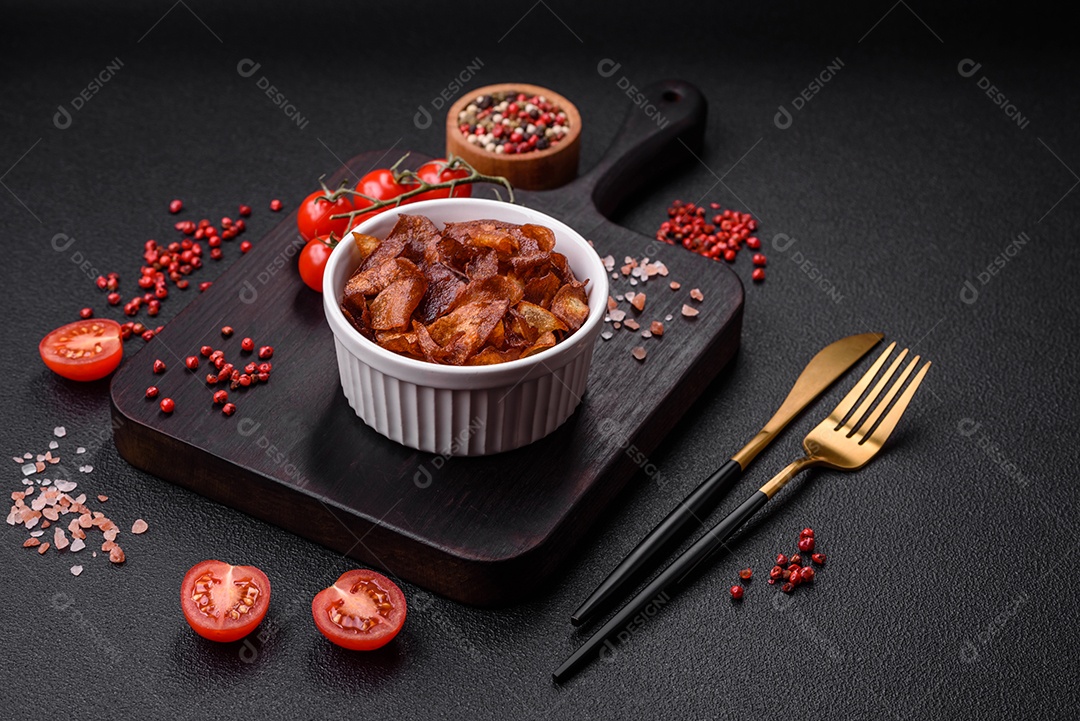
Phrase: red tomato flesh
pixel 222 602
pixel 85 350
pixel 362 611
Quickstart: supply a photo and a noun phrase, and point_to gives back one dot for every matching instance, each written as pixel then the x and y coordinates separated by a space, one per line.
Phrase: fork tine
pixel 853 422
pixel 846 405
pixel 888 423
pixel 868 424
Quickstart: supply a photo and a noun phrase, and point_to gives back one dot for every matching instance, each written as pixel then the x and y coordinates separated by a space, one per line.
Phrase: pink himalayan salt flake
pixel 688 311
pixel 611 304
pixel 60 540
pixel 76 570
pixel 638 352
pixel 674 285
pixel 617 315
pixel 631 324
pixel 657 328
pixel 638 301
pixel 696 294
pixel 110 535
pixel 77 545
pixel 646 334
pixel 60 431
pixel 102 498
pixel 139 526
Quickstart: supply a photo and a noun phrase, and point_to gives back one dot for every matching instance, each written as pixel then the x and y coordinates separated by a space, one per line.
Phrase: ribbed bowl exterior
pixel 469 410
pixel 461 422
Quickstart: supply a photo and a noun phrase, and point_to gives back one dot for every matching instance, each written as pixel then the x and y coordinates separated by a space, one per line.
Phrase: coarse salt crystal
pixel 65 486
pixel 80 450
pixel 688 311
pixel 53 445
pixel 76 570
pixel 29 469
pixel 668 317
pixel 638 352
pixel 60 431
pixel 696 294
pixel 606 335
pixel 77 545
pixel 139 526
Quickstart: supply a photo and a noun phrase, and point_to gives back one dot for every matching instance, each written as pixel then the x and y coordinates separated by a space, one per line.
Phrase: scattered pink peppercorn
pixel 737 592
pixel 275 205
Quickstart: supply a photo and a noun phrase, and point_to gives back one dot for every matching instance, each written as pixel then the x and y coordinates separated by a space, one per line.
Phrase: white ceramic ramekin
pixel 466 410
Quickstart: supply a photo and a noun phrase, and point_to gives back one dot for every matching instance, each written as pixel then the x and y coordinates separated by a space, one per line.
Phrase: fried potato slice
pixel 491 356
pixel 366 244
pixel 542 290
pixel 544 321
pixel 393 307
pixel 571 305
pixel 463 331
pixel 545 341
pixel 444 287
pixel 493 288
pixel 544 236
pixel 374 279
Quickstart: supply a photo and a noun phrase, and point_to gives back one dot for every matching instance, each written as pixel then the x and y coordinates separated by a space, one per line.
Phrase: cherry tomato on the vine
pixel 313 217
pixel 381 185
pixel 313 260
pixel 434 172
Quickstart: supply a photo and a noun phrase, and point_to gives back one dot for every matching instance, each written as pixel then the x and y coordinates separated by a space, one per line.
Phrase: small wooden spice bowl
pixel 537 170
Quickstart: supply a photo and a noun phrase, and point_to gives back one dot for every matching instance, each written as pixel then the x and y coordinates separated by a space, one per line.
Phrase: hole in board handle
pixel 672 96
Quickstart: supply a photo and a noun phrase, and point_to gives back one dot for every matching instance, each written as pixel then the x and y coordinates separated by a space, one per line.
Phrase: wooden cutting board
pixel 483 531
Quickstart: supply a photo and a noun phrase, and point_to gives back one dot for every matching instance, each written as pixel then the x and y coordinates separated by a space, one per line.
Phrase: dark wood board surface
pixel 484 531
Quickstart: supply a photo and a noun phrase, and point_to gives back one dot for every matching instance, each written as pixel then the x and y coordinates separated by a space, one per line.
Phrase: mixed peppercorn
pixel 512 122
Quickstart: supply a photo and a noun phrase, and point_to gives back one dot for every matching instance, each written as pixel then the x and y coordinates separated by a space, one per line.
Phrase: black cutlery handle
pixel 644 557
pixel 667 580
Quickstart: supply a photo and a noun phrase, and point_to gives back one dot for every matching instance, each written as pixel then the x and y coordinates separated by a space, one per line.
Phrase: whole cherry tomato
pixel 381 185
pixel 313 260
pixel 434 172
pixel 313 218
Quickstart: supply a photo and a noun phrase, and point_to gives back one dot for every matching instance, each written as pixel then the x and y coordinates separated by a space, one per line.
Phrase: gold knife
pixel 822 371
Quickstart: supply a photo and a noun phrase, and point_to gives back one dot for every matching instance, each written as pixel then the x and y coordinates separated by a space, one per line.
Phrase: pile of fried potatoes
pixel 474 293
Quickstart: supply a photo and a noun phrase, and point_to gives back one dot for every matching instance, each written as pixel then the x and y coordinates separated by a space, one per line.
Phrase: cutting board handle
pixel 648 144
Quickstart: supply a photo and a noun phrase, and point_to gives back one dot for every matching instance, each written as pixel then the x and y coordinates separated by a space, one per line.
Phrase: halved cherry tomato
pixel 313 260
pixel 362 611
pixel 435 171
pixel 85 350
pixel 313 218
pixel 223 602
pixel 381 185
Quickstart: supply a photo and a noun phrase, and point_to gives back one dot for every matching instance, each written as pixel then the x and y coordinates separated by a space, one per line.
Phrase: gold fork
pixel 846 440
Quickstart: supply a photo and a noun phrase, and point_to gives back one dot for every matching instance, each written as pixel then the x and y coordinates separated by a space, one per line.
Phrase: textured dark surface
pixel 900 180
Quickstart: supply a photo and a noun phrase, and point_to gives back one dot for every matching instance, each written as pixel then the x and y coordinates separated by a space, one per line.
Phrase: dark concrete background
pixel 949 590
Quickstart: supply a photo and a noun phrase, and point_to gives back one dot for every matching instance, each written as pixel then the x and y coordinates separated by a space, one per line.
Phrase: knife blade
pixel 824 369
